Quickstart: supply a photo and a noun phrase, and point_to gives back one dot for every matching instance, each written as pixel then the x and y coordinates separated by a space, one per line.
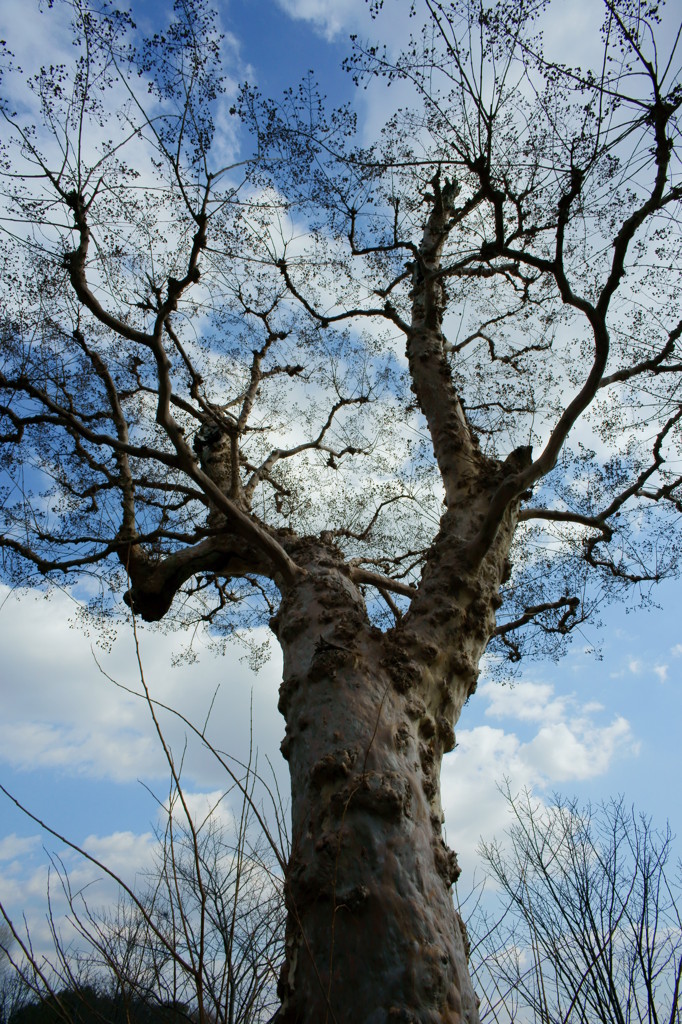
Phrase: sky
pixel 80 751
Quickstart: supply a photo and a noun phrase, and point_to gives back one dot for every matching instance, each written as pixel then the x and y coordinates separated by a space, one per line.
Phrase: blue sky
pixel 80 752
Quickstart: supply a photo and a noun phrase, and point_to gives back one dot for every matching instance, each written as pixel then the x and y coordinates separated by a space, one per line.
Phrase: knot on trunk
pixel 446 862
pixel 335 765
pixel 150 605
pixel 386 794
pixel 150 594
pixel 215 449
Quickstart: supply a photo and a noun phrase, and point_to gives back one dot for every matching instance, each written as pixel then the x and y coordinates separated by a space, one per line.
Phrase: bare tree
pixel 202 935
pixel 587 924
pixel 13 992
pixel 206 405
pixel 5 942
pixel 200 940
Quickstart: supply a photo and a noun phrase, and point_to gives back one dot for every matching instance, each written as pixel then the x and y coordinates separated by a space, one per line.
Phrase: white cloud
pixel 636 667
pixel 568 743
pixel 562 752
pixel 13 846
pixel 61 712
pixel 527 701
pixel 676 651
pixel 126 854
pixel 328 17
pixel 33 867
pixel 484 757
pixel 592 706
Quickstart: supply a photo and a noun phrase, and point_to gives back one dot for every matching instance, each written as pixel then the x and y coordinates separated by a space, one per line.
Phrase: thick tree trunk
pixel 372 933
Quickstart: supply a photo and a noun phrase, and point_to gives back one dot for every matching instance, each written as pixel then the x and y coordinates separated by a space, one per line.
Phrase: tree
pixel 206 406
pixel 5 942
pixel 590 924
pixel 205 934
pixel 89 1005
pixel 201 938
pixel 13 993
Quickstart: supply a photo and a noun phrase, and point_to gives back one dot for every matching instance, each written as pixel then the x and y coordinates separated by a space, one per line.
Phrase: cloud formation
pixel 543 740
pixel 61 712
pixel 328 17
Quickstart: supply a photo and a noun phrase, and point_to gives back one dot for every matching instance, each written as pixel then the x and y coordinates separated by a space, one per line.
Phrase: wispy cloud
pixel 328 17
pixel 13 846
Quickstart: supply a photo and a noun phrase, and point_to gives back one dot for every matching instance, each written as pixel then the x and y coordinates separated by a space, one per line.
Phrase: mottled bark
pixel 372 933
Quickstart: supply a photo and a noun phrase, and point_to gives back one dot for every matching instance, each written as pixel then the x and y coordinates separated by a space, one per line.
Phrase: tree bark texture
pixel 372 932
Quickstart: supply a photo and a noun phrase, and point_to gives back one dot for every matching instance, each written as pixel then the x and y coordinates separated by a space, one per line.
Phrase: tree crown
pixel 216 340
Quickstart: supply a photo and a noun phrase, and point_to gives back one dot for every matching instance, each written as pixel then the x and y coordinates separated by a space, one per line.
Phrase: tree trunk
pixel 372 932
